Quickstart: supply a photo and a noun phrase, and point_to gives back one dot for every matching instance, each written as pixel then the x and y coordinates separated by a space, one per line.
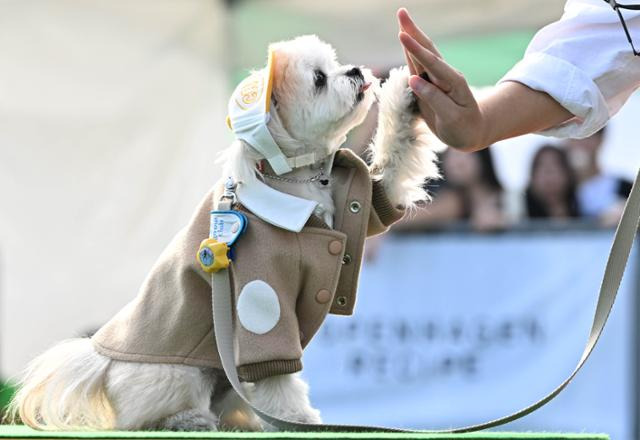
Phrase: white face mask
pixel 249 114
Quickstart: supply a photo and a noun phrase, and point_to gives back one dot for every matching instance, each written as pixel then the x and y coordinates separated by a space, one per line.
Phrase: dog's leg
pixel 234 414
pixel 189 420
pixel 286 397
pixel 161 396
pixel 403 147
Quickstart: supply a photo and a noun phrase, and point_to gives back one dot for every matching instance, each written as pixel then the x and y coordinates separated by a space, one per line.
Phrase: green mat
pixel 22 432
pixel 6 391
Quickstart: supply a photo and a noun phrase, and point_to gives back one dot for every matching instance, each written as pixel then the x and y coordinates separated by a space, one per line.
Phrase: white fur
pixel 404 149
pixel 143 394
pixel 286 397
pixel 64 389
pixel 71 386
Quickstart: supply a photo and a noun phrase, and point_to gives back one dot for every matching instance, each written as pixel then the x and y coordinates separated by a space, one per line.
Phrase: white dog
pixel 72 386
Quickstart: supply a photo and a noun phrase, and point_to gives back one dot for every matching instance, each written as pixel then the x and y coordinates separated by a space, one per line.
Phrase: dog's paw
pixel 396 97
pixel 309 415
pixel 190 420
pixel 403 147
pixel 414 108
pixel 303 415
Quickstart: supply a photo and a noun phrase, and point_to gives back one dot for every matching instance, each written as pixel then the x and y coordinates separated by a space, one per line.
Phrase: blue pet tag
pixel 227 226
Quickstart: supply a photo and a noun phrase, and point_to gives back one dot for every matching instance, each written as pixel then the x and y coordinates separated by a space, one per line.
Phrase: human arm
pixel 580 66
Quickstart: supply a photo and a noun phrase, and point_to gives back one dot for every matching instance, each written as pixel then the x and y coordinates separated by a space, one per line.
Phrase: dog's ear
pixel 281 62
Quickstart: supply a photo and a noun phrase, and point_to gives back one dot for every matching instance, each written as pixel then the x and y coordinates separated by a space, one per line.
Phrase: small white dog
pixel 316 102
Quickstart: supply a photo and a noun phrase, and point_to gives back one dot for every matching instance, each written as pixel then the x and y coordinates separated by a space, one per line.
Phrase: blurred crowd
pixel 565 182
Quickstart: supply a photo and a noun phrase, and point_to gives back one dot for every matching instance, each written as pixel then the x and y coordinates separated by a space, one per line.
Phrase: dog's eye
pixel 319 78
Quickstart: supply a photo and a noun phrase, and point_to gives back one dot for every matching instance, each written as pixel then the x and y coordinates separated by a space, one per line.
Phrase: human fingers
pixel 409 26
pixel 412 68
pixel 437 101
pixel 441 74
pixel 426 112
pixel 437 69
pixel 415 68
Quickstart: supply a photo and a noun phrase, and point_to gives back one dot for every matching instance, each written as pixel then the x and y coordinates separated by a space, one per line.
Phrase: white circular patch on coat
pixel 258 307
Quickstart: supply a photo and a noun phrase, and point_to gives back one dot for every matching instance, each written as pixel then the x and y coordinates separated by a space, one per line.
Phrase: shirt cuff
pixel 567 84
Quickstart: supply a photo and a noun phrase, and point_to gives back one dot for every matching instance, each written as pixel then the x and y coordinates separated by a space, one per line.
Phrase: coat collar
pixel 285 210
pixel 280 209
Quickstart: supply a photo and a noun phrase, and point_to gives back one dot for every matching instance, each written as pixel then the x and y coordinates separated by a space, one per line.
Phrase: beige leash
pixel 618 256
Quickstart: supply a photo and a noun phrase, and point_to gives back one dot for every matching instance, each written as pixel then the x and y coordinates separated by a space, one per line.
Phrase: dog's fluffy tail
pixel 63 389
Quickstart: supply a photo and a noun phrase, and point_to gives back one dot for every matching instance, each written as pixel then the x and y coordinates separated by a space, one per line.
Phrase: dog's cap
pixel 249 108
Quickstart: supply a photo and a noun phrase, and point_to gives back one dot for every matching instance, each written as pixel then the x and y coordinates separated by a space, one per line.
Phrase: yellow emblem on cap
pixel 255 88
pixel 213 255
pixel 250 91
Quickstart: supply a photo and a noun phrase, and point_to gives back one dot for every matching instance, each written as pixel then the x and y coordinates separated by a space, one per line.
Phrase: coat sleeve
pixel 383 213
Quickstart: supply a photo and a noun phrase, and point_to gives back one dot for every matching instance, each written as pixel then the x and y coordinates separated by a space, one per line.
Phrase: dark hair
pixel 487 170
pixel 536 208
pixel 487 176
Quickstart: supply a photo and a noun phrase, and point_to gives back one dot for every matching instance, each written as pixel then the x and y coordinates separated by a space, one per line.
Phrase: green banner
pixel 485 59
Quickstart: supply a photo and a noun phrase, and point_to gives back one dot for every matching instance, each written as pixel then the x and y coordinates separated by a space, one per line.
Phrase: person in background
pixel 469 191
pixel 601 196
pixel 551 192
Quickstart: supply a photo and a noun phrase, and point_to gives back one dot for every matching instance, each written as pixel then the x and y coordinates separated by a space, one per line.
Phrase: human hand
pixel 446 102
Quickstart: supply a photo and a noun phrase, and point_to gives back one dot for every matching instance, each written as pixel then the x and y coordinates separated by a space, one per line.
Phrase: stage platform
pixel 10 432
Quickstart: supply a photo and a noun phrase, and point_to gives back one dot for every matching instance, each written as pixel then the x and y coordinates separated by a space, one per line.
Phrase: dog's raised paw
pixel 413 105
pixel 396 96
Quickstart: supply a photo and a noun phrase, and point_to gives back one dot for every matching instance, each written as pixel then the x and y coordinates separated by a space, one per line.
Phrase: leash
pixel 616 264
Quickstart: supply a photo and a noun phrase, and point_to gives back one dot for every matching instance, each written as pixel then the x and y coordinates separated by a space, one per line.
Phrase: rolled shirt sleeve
pixel 584 62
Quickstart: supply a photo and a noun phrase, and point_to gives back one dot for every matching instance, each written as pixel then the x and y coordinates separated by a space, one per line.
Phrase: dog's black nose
pixel 355 73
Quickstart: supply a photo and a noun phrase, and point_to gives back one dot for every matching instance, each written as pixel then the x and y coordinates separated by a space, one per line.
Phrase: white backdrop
pixel 111 114
pixel 452 330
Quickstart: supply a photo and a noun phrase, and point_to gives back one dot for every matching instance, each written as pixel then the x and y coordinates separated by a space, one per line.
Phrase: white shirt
pixel 584 62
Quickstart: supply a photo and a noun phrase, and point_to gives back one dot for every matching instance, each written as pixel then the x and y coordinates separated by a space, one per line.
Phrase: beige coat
pixel 313 272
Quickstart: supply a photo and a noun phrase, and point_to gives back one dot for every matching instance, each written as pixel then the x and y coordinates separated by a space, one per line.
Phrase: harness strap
pixel 616 264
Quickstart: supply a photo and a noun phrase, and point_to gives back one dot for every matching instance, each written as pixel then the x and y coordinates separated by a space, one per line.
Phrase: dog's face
pixel 318 99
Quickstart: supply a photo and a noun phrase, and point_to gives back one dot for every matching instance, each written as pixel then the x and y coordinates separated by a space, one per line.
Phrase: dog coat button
pixel 323 296
pixel 335 247
pixel 355 206
pixel 341 301
pixel 346 259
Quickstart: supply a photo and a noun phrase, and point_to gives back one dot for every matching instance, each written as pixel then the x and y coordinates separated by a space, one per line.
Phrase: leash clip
pixel 226 225
pixel 229 193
